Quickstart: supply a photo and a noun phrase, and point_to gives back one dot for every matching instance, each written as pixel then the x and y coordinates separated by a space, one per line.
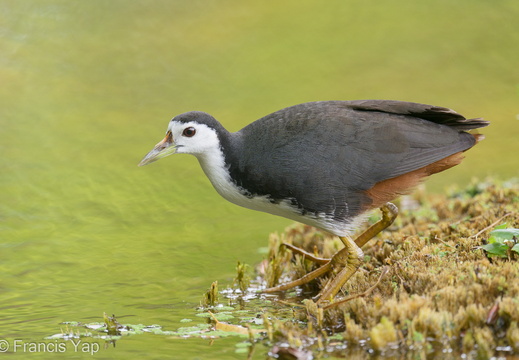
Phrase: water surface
pixel 88 88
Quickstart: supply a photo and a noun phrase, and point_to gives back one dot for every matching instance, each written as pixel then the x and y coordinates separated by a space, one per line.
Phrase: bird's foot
pixel 346 260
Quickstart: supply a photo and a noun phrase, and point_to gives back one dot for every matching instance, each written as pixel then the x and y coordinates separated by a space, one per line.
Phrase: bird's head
pixel 193 133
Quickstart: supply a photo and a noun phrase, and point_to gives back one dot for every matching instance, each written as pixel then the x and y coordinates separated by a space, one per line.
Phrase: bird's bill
pixel 162 149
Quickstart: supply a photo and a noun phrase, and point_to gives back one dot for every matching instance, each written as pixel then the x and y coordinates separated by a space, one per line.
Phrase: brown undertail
pixel 390 189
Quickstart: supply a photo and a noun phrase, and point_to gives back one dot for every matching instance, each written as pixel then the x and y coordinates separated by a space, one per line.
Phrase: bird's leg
pixel 306 254
pixel 302 280
pixel 389 214
pixel 350 257
pixel 342 258
pixel 326 266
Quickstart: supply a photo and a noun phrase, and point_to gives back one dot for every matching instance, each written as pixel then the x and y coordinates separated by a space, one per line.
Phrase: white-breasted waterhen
pixel 325 164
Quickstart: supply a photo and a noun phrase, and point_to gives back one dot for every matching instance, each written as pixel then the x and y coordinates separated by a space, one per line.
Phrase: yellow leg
pixel 389 214
pixel 348 259
pixel 306 254
pixel 302 280
pixel 351 256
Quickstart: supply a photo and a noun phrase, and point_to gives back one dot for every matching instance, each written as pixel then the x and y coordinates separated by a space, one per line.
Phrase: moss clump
pixel 242 279
pixel 442 292
pixel 383 335
pixel 210 298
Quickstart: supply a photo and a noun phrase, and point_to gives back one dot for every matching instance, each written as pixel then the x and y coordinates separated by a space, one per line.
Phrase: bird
pixel 325 164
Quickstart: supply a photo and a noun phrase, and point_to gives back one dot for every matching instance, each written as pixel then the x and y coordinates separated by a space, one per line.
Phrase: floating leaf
pixel 237 329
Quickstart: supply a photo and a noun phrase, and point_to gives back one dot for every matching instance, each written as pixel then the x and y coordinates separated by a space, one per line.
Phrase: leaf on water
pixel 94 326
pixel 234 328
pixel 219 316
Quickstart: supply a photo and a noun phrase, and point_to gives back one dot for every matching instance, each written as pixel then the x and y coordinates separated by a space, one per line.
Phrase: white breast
pixel 213 164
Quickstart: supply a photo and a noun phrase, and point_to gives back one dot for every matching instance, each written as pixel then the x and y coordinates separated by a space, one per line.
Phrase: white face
pixel 193 138
pixel 185 138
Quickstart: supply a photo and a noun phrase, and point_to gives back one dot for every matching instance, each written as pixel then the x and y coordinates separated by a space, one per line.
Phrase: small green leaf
pixel 501 240
pixel 495 248
pixel 503 234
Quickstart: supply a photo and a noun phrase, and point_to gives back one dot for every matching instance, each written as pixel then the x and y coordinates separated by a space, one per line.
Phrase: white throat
pixel 213 164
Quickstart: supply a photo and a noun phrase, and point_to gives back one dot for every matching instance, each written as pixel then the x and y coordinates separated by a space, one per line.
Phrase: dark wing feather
pixel 436 114
pixel 324 155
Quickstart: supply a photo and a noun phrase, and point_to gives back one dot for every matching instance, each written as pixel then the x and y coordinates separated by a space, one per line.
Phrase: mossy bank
pixel 431 287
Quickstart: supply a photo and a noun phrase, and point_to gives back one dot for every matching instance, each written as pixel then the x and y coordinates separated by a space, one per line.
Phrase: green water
pixel 87 88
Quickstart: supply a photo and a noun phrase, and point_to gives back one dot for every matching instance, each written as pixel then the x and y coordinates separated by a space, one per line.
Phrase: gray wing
pixel 319 154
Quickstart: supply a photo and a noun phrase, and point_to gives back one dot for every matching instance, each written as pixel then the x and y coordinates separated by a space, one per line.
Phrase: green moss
pixel 441 285
pixel 210 298
pixel 383 335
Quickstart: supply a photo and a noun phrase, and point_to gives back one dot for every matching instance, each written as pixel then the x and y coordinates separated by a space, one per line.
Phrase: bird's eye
pixel 189 132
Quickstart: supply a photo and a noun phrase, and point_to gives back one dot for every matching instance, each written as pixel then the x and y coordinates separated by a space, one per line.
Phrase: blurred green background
pixel 87 88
